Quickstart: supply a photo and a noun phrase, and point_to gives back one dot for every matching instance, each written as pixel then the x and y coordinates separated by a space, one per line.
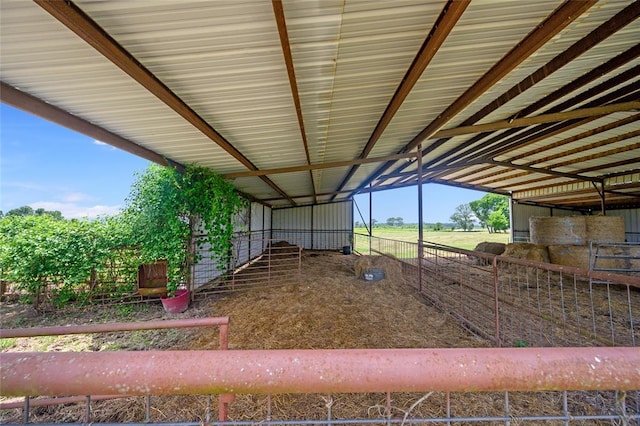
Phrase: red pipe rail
pixel 221 322
pixel 320 371
pixel 112 327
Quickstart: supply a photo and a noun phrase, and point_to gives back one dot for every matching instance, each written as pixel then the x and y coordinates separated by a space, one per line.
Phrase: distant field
pixel 460 239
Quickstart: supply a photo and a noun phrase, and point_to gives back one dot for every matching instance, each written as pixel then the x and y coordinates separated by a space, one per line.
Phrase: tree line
pixel 490 212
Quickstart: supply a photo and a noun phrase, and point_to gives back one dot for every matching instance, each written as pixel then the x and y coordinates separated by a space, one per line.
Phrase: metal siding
pixel 293 225
pixel 336 221
pixel 631 223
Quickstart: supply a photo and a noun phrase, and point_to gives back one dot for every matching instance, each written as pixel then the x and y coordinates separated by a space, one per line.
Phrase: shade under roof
pixel 304 102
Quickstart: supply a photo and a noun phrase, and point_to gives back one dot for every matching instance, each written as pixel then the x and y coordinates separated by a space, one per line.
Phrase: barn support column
pixel 420 230
pixel 602 196
pixel 370 218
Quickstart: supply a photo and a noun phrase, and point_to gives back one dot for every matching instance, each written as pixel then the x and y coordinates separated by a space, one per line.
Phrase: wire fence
pixel 508 302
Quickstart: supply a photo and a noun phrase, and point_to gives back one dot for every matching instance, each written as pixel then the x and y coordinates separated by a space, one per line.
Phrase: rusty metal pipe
pixel 319 371
pixel 112 327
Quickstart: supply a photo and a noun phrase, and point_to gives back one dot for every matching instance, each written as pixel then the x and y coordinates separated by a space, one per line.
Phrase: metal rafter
pixel 615 164
pixel 510 140
pixel 546 170
pixel 71 16
pixel 445 23
pixel 291 72
pixel 18 99
pixel 565 90
pixel 617 22
pixel 550 27
pixel 319 166
pixel 544 131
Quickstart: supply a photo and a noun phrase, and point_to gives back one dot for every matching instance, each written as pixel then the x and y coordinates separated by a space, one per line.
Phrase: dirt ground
pixel 329 308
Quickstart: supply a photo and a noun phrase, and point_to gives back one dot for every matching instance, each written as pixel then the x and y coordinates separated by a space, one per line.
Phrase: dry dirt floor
pixel 329 308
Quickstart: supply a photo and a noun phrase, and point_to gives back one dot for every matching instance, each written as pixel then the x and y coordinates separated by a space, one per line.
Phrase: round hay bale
pixel 491 248
pixel 605 229
pixel 529 251
pixel 558 230
pixel 569 255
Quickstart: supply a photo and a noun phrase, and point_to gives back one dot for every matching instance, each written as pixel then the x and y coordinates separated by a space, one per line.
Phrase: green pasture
pixel 461 239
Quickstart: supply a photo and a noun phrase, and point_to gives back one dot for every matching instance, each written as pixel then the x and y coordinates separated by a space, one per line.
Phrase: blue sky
pixel 44 165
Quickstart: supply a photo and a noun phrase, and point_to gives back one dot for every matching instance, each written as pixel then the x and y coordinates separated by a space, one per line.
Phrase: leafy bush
pixel 38 250
pixel 165 210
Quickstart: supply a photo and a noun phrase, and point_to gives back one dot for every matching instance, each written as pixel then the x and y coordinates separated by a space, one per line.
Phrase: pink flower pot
pixel 176 304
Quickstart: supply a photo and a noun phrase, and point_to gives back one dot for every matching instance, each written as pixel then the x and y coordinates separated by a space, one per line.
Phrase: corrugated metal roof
pixel 208 83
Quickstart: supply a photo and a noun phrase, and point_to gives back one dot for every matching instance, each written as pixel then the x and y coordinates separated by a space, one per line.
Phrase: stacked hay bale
pixel 565 240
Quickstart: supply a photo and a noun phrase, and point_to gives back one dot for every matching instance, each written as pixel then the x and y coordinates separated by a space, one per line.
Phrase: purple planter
pixel 176 304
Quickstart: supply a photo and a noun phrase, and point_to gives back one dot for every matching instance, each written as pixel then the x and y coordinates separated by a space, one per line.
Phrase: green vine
pixel 167 210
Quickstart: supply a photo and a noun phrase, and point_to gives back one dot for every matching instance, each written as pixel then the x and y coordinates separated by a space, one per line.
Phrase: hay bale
pixel 605 229
pixel 392 269
pixel 491 248
pixel 529 251
pixel 558 230
pixel 569 255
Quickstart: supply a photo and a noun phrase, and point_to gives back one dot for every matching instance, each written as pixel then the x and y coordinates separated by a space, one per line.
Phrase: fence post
pixel 495 300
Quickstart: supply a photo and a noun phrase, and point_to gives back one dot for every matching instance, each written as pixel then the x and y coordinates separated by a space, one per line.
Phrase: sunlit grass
pixel 460 239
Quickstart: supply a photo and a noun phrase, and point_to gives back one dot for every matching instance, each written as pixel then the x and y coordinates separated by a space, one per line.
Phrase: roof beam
pixel 540 119
pixel 445 23
pixel 598 72
pixel 509 140
pixel 583 135
pixel 11 96
pixel 328 165
pixel 550 27
pixel 291 72
pixel 543 131
pixel 71 16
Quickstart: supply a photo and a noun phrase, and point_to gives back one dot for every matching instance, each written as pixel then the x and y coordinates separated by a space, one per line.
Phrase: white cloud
pixel 74 197
pixel 71 210
pixel 106 145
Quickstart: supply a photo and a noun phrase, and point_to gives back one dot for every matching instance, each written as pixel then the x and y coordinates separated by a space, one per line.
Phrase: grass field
pixel 460 239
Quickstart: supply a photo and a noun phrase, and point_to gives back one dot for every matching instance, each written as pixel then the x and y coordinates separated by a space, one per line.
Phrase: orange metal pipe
pixel 319 371
pixel 112 327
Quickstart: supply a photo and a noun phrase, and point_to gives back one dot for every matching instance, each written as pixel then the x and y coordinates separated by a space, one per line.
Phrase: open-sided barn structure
pixel 303 104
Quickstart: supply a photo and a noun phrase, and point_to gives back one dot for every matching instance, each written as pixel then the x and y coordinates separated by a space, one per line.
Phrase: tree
pixel 399 221
pixel 463 217
pixel 357 224
pixel 21 211
pixel 488 204
pixel 497 221
pixel 391 221
pixel 28 211
pixel 166 208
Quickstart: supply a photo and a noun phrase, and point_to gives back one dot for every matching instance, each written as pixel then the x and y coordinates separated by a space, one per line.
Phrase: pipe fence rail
pixel 455 385
pixel 82 395
pixel 564 352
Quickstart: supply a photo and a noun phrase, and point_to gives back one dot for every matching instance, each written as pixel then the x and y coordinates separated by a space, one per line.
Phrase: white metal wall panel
pixel 293 225
pixel 258 225
pixel 631 223
pixel 332 225
pixel 322 227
